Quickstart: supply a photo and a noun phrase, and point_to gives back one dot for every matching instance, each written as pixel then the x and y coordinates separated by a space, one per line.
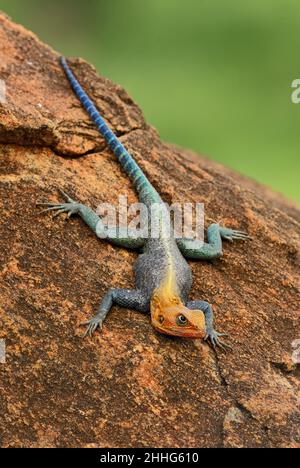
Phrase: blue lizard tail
pixel 127 162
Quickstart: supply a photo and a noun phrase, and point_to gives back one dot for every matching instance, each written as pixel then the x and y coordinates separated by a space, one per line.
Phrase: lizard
pixel 163 277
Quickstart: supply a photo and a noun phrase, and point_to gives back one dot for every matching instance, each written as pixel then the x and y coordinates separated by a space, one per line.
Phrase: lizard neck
pixel 165 296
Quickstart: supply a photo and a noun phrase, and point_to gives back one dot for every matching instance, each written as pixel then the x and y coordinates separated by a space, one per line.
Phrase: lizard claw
pixel 92 326
pixel 213 336
pixel 71 207
pixel 232 234
pixel 66 196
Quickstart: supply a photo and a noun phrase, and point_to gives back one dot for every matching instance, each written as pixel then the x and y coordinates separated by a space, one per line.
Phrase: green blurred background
pixel 211 75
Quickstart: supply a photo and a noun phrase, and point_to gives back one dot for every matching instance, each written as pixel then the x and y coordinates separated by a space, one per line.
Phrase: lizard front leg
pixel 194 249
pixel 132 299
pixel 122 237
pixel 211 334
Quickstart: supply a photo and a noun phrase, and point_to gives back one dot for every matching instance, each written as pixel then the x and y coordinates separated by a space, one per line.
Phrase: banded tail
pixel 127 162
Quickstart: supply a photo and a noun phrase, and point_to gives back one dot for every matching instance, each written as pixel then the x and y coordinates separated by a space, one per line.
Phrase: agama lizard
pixel 163 276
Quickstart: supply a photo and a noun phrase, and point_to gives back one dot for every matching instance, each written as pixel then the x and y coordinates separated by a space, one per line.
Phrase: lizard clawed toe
pixel 92 326
pixel 233 234
pixel 66 196
pixel 71 207
pixel 52 207
pixel 240 235
pixel 213 337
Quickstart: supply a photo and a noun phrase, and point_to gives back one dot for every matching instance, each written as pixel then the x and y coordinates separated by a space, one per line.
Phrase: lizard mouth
pixel 187 333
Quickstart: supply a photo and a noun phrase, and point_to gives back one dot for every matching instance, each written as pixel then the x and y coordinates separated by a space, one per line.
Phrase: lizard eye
pixel 161 319
pixel 181 320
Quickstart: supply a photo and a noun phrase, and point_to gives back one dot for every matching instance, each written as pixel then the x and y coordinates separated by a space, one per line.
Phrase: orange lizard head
pixel 178 320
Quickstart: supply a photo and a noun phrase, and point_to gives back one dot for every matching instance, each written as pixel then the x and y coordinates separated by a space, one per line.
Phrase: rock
pixel 130 386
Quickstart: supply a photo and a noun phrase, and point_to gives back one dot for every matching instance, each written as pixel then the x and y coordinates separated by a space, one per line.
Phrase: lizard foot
pixel 213 336
pixel 232 235
pixel 92 325
pixel 71 207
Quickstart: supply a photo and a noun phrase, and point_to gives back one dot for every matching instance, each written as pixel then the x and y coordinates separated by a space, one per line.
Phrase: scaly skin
pixel 163 276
